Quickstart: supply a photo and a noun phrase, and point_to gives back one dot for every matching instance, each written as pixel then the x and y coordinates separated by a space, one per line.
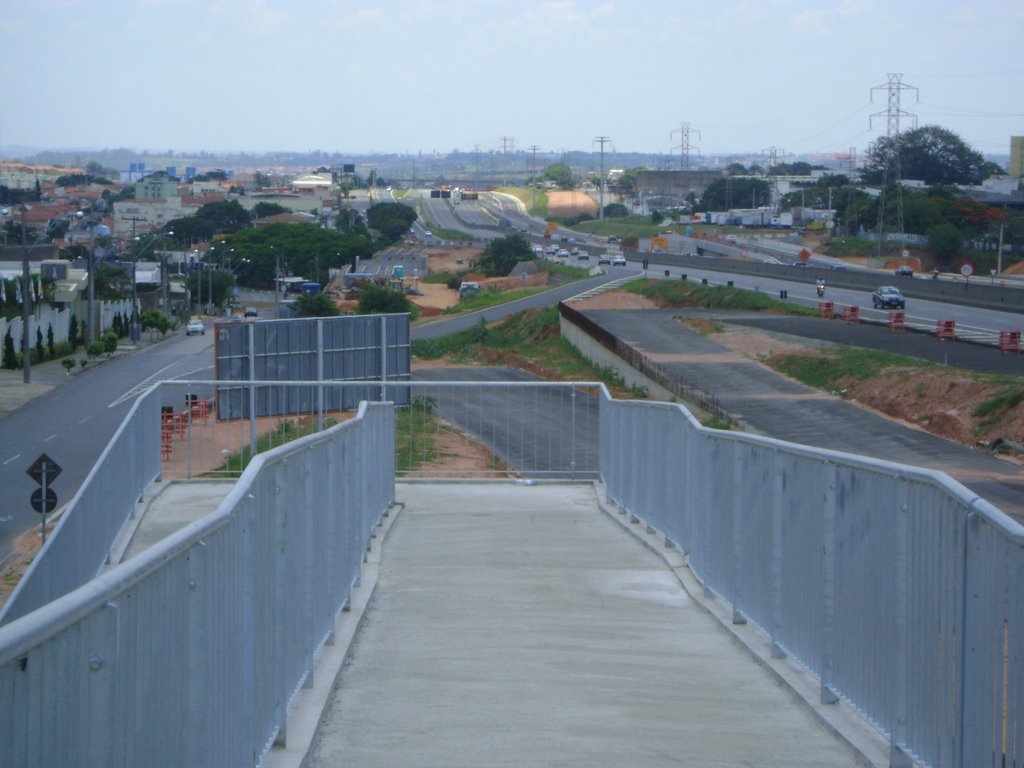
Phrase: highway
pixel 74 422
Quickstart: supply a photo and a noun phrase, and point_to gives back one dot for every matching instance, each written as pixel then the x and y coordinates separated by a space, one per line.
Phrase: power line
pixel 602 140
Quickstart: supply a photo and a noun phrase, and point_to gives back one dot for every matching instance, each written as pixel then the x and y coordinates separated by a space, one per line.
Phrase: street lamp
pixel 136 332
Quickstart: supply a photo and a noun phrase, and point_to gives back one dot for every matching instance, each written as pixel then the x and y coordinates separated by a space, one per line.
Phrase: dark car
pixel 888 297
pixel 904 271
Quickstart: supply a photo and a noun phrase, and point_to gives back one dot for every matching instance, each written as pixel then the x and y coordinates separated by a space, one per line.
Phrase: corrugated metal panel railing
pixel 190 653
pixel 897 587
pixel 80 542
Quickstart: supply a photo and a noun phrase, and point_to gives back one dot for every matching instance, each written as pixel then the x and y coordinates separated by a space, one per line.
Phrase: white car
pixel 619 261
pixel 194 327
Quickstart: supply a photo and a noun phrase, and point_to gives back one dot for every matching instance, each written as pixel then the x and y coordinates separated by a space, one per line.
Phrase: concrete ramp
pixel 523 625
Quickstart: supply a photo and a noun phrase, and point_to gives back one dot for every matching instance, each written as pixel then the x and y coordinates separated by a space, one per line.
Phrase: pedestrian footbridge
pixel 675 596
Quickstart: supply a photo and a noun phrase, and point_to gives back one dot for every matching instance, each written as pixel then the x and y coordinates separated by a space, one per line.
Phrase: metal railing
pixel 898 588
pixel 448 429
pixel 191 652
pixel 80 542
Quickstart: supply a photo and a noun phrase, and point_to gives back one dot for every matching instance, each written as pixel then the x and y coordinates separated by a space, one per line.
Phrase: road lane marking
pixel 145 384
pixel 15 456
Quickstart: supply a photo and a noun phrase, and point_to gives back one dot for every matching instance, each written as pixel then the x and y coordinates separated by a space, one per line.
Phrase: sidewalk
pixel 521 625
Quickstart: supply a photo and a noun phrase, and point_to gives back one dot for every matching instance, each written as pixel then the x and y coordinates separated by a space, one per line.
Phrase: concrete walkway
pixel 521 625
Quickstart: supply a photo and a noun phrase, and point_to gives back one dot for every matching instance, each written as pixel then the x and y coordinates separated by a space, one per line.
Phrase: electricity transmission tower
pixel 507 143
pixel 684 144
pixel 894 89
pixel 533 179
pixel 771 155
pixel 602 140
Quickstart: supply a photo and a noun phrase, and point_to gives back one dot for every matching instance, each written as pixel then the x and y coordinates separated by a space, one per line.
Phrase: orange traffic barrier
pixel 825 309
pixel 897 321
pixel 945 329
pixel 851 314
pixel 200 409
pixel 1009 341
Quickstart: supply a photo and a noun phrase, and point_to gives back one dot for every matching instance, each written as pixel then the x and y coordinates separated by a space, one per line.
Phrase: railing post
pixel 777 506
pixel 828 583
pixel 898 730
pixel 320 374
pixel 572 433
pixel 252 390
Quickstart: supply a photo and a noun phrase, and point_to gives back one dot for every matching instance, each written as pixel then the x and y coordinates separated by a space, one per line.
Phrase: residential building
pixel 1017 156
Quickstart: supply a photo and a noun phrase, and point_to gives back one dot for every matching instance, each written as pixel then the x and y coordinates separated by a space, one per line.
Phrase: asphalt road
pixel 540 431
pixel 778 407
pixel 74 422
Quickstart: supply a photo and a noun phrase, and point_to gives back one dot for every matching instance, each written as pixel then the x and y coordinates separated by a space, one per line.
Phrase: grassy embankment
pixel 833 369
pixel 536 203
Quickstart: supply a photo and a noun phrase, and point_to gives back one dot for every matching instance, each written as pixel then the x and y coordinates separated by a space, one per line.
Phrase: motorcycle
pixel 820 287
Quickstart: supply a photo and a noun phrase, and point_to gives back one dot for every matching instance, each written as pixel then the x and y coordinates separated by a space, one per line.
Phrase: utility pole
pixel 893 112
pixel 506 143
pixel 684 144
pixel 602 140
pixel 533 178
pixel 26 298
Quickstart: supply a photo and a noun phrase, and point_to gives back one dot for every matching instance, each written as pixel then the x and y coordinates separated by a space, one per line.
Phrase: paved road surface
pixel 781 408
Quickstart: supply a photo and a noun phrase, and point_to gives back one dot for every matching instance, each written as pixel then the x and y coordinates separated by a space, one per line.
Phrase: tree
pixel 945 242
pixel 615 211
pixel 723 194
pixel 10 359
pixel 931 154
pixel 502 254
pixel 39 344
pixel 319 305
pixel 203 283
pixel 736 169
pixel 561 174
pixel 152 318
pixel 50 344
pixel 264 209
pixel 376 299
pixel 392 220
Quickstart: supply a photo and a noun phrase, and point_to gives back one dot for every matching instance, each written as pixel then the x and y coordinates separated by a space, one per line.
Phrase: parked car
pixel 888 297
pixel 194 327
pixel 904 271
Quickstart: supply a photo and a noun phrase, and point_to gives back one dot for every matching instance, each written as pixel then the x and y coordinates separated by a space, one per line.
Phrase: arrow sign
pixel 44 466
pixel 36 500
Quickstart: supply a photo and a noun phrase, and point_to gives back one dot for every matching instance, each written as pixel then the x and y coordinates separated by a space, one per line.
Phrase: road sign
pixel 906 254
pixel 966 270
pixel 36 500
pixel 44 465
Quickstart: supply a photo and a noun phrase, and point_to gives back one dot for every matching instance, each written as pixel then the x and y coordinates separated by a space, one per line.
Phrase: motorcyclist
pixel 819 286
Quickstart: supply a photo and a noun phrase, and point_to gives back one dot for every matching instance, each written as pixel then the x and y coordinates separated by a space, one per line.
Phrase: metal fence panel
pixel 348 348
pixel 80 542
pixel 896 586
pixel 189 653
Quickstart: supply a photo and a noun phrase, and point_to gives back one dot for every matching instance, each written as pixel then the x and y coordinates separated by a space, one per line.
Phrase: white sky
pixel 429 75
